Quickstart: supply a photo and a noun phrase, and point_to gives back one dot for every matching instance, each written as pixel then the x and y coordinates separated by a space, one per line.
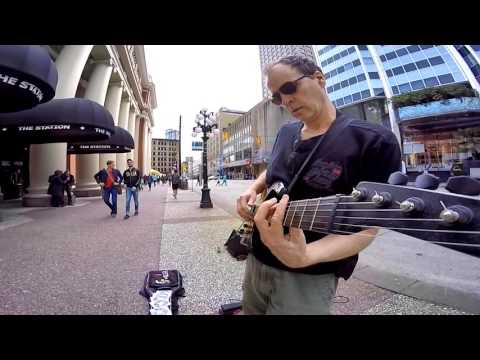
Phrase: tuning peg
pixel 383 199
pixel 398 178
pixel 464 185
pixel 427 181
pixel 456 214
pixel 359 194
pixel 412 205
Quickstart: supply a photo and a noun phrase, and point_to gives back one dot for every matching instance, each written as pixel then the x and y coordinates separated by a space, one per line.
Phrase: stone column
pixel 87 165
pixel 145 146
pixel 131 129
pixel 136 138
pixel 123 123
pixel 46 158
pixel 112 104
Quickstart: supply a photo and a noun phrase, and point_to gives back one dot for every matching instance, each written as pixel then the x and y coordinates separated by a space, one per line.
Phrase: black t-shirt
pixel 363 152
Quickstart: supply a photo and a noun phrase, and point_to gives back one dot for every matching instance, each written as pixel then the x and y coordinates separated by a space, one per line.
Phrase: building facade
pixel 271 53
pixel 426 94
pixel 114 76
pixel 165 155
pixel 248 141
pixel 224 118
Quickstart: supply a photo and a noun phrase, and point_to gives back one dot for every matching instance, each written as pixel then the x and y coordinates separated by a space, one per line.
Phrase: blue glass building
pixel 363 80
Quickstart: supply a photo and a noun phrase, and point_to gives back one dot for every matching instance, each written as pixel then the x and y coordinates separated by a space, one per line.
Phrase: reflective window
pixel 344 83
pixel 365 94
pixel 373 75
pixel 362 47
pixel 352 80
pixel 361 77
pixel 398 70
pixel 475 47
pixel 351 50
pixel 347 99
pixel 391 55
pixel 436 60
pixel 423 47
pixel 340 70
pixel 432 81
pixel 348 66
pixel 357 96
pixel 378 92
pixel 336 57
pixel 404 88
pixel 422 64
pixel 344 53
pixel 383 58
pixel 340 102
pixel 330 89
pixel 410 67
pixel 395 90
pixel 336 87
pixel 389 73
pixel 356 62
pixel 446 78
pixel 402 52
pixel 413 48
pixel 417 85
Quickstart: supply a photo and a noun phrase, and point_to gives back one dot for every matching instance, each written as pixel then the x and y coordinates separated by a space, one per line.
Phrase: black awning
pixel 120 142
pixel 28 77
pixel 59 120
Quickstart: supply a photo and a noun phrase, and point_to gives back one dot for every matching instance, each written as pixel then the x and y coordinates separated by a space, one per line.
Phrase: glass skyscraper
pixel 271 53
pixel 363 80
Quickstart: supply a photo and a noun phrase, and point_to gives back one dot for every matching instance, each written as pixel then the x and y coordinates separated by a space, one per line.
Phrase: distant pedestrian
pixel 224 180
pixel 154 180
pixel 109 178
pixel 175 183
pixel 69 182
pixel 149 181
pixel 57 189
pixel 132 179
pixel 199 183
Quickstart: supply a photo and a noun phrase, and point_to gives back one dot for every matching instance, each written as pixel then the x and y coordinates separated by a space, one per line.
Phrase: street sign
pixel 197 145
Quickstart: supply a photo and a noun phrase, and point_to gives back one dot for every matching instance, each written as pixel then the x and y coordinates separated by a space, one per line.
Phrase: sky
pixel 189 78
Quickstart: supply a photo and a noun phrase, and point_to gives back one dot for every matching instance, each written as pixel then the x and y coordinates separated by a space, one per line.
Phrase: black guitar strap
pixel 335 129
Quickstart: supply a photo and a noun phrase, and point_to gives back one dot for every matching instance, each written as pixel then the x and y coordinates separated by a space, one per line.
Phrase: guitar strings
pixel 343 232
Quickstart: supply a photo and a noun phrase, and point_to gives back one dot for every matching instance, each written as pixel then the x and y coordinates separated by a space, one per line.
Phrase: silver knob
pixel 449 216
pixel 407 206
pixel 377 199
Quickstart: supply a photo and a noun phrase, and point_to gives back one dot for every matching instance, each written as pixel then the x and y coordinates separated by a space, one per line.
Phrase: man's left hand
pixel 290 249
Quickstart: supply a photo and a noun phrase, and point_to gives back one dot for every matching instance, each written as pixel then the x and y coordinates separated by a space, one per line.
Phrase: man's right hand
pixel 247 198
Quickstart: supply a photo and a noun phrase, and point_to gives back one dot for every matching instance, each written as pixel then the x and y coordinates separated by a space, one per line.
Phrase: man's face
pixel 308 100
pixel 130 163
pixel 112 165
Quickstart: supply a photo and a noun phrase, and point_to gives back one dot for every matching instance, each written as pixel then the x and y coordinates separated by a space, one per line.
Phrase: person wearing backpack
pixel 175 183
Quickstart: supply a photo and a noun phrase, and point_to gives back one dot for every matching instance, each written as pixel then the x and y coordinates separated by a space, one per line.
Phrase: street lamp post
pixel 205 123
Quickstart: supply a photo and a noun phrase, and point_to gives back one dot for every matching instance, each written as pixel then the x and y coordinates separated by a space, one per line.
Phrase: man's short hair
pixel 129 160
pixel 302 64
pixel 110 162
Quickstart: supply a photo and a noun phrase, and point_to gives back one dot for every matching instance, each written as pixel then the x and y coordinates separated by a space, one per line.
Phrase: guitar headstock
pixel 450 220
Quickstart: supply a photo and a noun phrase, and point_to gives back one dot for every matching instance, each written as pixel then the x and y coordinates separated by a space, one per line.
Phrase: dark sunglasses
pixel 289 88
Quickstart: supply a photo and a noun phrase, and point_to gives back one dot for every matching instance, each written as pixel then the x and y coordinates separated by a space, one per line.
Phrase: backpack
pixel 162 289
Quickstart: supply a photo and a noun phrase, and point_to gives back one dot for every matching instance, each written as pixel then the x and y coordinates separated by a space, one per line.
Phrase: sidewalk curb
pixel 418 289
